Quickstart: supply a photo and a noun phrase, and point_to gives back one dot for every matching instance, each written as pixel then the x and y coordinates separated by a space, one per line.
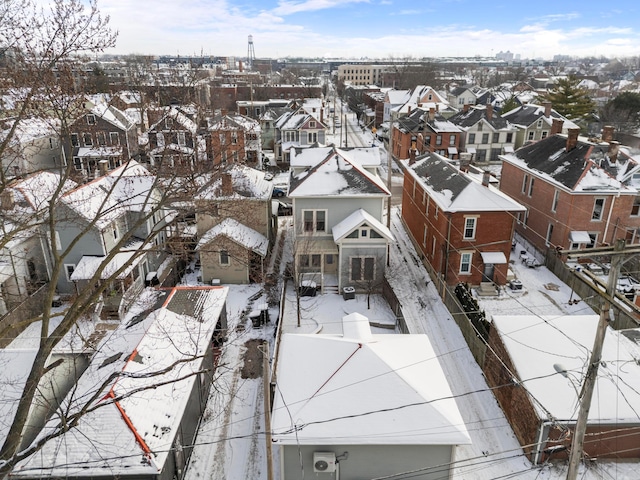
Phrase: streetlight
pixel 561 369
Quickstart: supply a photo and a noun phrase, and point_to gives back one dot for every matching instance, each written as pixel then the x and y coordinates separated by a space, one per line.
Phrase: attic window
pixel 91 119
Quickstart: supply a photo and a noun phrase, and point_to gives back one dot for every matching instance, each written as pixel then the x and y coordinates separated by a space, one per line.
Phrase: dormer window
pixel 168 122
pixel 91 119
pixel 312 124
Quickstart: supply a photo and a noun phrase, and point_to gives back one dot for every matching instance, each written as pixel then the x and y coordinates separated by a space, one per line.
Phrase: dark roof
pixel 550 156
pixel 474 115
pixel 440 175
pixel 528 114
pixel 458 90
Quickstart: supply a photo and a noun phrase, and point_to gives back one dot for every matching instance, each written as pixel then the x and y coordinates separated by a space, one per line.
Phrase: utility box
pixel 348 293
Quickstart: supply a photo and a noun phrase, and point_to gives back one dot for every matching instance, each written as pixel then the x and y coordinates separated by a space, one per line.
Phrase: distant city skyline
pixel 375 28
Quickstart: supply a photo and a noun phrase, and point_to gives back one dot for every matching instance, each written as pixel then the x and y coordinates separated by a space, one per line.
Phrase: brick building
pixel 460 224
pixel 578 192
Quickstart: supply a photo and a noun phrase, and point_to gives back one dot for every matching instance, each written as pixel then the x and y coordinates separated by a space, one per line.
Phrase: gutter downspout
pixel 446 257
pixel 544 425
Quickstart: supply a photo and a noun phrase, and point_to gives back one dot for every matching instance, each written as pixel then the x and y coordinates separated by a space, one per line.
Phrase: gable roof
pixel 148 368
pixel 246 182
pixel 340 172
pixel 360 388
pixel 530 113
pixel 239 233
pixel 478 114
pixel 454 191
pixel 357 219
pixel 577 169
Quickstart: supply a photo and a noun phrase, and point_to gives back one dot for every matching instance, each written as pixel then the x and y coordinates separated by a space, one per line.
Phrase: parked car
pixel 284 209
pixel 278 192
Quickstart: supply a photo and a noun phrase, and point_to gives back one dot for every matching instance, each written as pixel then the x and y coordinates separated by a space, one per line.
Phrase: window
pixel 168 122
pixel 234 138
pixel 114 138
pixel 481 156
pixel 223 139
pixel 480 126
pixel 465 262
pixel 69 269
pixel 182 139
pixel 438 139
pixel 594 238
pixel 539 124
pixel 470 228
pixel 549 234
pixel 91 119
pixel 74 140
pixel 114 230
pixel 452 140
pixel 485 138
pixel 509 137
pixel 495 152
pixel 362 268
pixel 525 180
pixel 312 124
pixel 496 137
pixel 472 138
pixel 354 234
pixel 635 209
pixel 598 207
pixel 424 236
pixel 544 134
pixel 160 139
pixel 530 135
pixel 433 246
pixel 77 163
pixel 101 138
pixel 314 220
pixel 224 257
pixel 224 157
pixel 556 197
pixel 531 186
pixel 87 139
pixel 316 260
pixel 312 137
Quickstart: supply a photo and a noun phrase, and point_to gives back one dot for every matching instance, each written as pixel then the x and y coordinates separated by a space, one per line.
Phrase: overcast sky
pixel 376 28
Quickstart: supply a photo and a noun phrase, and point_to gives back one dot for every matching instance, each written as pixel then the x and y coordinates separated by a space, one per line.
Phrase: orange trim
pixel 127 420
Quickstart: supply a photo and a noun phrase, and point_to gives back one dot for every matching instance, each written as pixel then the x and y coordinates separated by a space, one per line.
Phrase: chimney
pixel 322 115
pixel 227 184
pixel 104 167
pixel 412 151
pixel 486 176
pixel 409 110
pixel 432 113
pixel 607 133
pixel 489 111
pixel 547 109
pixel 572 138
pixel 224 112
pixel 613 150
pixel 465 161
pixel 465 108
pixel 240 66
pixel 556 126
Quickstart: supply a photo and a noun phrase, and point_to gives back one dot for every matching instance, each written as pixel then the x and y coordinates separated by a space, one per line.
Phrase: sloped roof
pixel 477 114
pixel 355 220
pixel 339 173
pixel 359 389
pixel 131 424
pixel 454 191
pixel 239 233
pixel 530 113
pixel 247 182
pixel 577 169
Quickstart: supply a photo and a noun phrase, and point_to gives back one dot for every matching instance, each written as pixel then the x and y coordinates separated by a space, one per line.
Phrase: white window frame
pixel 113 135
pixel 525 181
pixel 91 119
pixel 556 199
pixel 549 234
pixel 530 192
pixel 472 228
pixel 67 272
pixel 182 139
pixel 225 258
pixel 465 266
pixel 597 217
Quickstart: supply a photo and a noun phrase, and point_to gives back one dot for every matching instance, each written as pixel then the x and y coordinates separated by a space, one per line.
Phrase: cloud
pixel 288 7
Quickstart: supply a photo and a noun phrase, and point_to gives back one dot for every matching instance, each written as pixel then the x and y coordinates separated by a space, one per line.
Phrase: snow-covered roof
pixel 355 220
pixel 98 152
pixel 536 343
pixel 359 388
pixel 339 173
pixel 30 129
pixel 112 115
pixel 126 188
pixel 454 191
pixel 130 256
pixel 147 368
pixel 239 233
pixel 246 182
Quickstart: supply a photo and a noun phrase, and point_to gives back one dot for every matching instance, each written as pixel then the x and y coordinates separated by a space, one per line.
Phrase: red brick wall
pixel 493 233
pixel 573 212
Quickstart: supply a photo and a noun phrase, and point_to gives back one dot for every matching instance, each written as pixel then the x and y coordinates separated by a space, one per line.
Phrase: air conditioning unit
pixel 324 462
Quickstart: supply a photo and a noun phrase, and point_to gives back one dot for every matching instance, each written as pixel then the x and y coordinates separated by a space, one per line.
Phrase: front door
pixel 487 274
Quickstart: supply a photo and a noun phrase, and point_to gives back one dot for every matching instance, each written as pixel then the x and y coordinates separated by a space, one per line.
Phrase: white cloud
pixel 288 7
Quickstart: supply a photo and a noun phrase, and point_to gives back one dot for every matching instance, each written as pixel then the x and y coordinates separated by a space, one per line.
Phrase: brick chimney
pixel 556 126
pixel 227 184
pixel 408 109
pixel 224 112
pixel 465 108
pixel 432 113
pixel 489 111
pixel 572 138
pixel 240 66
pixel 547 109
pixel 412 155
pixel 607 133
pixel 486 176
pixel 613 150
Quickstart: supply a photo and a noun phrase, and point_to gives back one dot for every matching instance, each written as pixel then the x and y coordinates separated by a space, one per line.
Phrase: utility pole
pixel 267 408
pixel 389 163
pixel 577 443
